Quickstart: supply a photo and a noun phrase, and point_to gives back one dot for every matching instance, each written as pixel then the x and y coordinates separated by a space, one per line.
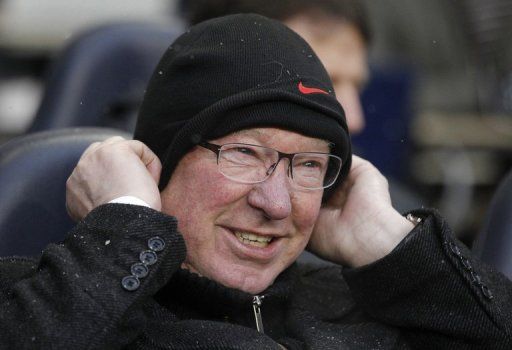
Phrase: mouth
pixel 250 245
pixel 253 239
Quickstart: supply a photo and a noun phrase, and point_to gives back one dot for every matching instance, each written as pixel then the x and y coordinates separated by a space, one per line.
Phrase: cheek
pixel 193 187
pixel 196 196
pixel 215 193
pixel 306 208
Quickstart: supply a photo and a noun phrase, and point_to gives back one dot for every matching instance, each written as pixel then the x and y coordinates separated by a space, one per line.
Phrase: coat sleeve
pixel 74 297
pixel 439 296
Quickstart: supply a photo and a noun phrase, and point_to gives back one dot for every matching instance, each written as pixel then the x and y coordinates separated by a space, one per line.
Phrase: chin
pixel 249 284
pixel 252 280
pixel 244 275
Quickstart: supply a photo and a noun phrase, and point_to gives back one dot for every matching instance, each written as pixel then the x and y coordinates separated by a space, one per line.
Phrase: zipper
pixel 256 306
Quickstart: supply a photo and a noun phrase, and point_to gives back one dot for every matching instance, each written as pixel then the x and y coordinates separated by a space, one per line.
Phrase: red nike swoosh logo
pixel 310 90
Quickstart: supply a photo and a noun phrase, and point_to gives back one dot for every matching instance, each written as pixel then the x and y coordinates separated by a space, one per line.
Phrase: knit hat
pixel 238 72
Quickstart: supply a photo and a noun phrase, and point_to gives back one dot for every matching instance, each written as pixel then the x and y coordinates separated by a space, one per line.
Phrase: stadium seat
pixel 33 173
pixel 100 78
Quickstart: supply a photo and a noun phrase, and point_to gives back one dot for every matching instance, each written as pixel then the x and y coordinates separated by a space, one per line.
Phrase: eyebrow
pixel 251 132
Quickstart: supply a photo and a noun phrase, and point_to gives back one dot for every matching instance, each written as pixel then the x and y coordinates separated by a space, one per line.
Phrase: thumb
pixel 149 158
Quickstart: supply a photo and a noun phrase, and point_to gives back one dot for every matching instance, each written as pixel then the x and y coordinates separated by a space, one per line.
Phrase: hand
pixel 358 225
pixel 110 169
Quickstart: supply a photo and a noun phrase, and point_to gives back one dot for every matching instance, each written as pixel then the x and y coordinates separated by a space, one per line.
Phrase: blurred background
pixel 438 102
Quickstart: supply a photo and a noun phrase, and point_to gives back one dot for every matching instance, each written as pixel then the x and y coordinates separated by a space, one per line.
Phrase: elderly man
pixel 251 154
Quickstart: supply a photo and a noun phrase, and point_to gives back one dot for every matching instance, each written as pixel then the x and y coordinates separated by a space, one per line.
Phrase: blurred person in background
pixel 339 32
pixel 188 235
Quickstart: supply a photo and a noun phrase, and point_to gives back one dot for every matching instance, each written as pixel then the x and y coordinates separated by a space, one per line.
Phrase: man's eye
pixel 245 150
pixel 311 164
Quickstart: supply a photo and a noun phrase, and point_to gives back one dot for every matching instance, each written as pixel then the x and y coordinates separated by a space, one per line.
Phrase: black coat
pixel 427 294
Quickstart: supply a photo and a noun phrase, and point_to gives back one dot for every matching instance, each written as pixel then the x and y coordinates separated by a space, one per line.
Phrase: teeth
pixel 252 239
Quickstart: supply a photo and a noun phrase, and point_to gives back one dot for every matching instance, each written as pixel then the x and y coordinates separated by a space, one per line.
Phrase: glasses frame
pixel 281 155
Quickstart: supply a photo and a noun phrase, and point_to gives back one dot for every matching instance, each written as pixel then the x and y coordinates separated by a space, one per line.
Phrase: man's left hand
pixel 358 225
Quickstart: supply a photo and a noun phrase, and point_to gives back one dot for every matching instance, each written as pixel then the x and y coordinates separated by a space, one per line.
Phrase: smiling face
pixel 227 225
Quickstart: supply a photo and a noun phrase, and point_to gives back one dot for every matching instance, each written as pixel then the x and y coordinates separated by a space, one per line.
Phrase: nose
pixel 272 196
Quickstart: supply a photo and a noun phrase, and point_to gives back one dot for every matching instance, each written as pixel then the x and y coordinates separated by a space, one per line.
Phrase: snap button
pixel 455 250
pixel 156 244
pixel 148 257
pixel 130 283
pixel 139 270
pixel 487 293
pixel 475 278
pixel 466 263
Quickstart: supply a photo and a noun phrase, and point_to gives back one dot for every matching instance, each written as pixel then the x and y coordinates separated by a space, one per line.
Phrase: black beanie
pixel 238 72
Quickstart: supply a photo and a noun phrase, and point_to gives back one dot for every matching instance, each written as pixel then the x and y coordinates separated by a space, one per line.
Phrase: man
pixel 251 153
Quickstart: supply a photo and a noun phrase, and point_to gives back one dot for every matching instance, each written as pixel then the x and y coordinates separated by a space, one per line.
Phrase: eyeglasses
pixel 253 164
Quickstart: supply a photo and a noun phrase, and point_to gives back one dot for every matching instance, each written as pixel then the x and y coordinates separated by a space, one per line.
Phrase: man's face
pixel 212 209
pixel 343 52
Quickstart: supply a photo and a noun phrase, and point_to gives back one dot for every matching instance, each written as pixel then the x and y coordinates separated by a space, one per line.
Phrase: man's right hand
pixel 111 169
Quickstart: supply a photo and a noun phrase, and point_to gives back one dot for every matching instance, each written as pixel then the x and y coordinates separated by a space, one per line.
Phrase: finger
pixel 72 213
pixel 155 169
pixel 91 148
pixel 113 139
pixel 150 159
pixel 96 145
pixel 74 207
pixel 340 194
pixel 357 164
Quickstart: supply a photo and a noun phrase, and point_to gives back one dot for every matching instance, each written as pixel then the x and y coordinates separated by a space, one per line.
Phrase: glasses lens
pixel 333 170
pixel 252 164
pixel 246 163
pixel 315 170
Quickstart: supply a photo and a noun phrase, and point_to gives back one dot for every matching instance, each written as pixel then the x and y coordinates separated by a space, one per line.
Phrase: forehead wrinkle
pixel 248 132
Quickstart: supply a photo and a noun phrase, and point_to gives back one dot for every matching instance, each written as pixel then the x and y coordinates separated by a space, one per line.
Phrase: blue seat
pixel 494 243
pixel 387 105
pixel 33 173
pixel 100 78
